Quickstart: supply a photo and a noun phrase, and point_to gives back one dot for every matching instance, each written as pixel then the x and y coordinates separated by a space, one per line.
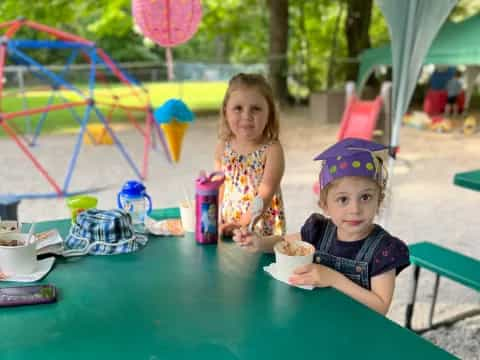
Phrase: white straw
pixel 187 197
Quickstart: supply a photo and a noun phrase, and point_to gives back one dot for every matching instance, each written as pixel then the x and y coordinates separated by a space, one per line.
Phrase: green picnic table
pixel 444 262
pixel 175 299
pixel 468 179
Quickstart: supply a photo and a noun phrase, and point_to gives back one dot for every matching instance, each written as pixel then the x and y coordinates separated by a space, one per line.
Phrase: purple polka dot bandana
pixel 350 157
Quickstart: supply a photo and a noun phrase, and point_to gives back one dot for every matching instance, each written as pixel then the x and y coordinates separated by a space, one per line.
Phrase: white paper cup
pixel 286 264
pixel 187 215
pixel 20 259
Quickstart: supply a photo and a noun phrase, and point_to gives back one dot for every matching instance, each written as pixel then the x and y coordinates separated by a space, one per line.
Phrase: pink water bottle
pixel 206 207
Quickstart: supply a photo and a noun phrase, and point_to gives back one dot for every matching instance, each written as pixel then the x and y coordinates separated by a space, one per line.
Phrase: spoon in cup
pixel 257 209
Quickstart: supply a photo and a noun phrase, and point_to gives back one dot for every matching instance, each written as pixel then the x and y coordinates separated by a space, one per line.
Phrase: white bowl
pixel 285 264
pixel 19 259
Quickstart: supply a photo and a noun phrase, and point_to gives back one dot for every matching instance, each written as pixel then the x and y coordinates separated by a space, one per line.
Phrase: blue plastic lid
pixel 133 188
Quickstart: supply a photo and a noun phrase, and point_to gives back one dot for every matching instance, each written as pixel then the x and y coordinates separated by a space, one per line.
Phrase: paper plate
pixel 42 269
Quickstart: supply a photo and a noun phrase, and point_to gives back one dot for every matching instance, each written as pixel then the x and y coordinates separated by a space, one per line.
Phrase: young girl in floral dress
pixel 251 156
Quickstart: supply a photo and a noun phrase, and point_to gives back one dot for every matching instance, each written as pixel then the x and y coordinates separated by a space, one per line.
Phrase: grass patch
pixel 199 96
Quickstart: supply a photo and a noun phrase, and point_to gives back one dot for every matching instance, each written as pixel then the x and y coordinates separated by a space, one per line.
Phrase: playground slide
pixel 360 118
pixel 358 121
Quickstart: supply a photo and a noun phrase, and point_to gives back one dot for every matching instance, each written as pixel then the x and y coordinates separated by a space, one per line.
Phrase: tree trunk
pixel 278 65
pixel 333 50
pixel 357 23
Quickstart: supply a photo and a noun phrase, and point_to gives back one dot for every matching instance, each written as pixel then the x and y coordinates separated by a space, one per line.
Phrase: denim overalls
pixel 357 269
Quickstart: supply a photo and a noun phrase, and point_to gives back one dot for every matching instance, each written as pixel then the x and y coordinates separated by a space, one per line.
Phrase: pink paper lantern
pixel 167 22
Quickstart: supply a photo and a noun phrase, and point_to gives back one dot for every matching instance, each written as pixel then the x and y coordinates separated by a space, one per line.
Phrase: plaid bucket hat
pixel 102 232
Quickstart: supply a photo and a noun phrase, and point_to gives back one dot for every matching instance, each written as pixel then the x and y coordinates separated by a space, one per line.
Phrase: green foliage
pixel 464 9
pixel 231 31
pixel 379 34
pixel 106 22
pixel 64 11
pixel 312 26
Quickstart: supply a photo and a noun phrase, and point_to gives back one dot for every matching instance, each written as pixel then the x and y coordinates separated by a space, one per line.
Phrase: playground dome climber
pixel 89 101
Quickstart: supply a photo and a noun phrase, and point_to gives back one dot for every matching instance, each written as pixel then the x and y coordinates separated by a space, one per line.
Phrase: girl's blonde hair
pixel 257 81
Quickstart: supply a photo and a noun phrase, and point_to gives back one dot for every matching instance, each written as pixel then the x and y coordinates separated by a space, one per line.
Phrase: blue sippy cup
pixel 132 198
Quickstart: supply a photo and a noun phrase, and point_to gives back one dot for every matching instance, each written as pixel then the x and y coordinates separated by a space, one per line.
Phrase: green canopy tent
pixel 455 44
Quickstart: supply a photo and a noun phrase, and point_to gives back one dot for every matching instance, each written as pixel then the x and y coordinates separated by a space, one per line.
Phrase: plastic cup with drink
pixel 187 215
pixel 79 203
pixel 17 254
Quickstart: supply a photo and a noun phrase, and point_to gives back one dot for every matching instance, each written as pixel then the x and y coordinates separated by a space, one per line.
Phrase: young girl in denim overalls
pixel 353 254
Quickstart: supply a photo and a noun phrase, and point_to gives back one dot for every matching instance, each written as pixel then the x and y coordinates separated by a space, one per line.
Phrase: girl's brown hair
pixel 258 82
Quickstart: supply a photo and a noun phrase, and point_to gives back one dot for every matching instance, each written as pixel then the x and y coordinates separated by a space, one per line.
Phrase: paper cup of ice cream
pixel 290 255
pixel 17 256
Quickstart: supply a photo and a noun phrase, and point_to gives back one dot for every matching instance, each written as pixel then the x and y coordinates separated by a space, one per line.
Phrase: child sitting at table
pixel 353 254
pixel 250 155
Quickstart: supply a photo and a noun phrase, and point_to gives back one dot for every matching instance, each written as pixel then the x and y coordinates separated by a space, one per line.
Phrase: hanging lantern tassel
pixel 169 62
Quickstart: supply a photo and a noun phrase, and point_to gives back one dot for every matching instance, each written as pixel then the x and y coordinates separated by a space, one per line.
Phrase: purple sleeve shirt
pixel 391 253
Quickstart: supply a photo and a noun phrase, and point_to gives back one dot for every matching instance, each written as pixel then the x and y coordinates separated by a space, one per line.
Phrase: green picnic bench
pixel 468 179
pixel 443 262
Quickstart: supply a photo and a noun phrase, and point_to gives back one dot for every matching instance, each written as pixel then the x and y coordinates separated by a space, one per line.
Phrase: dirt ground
pixel 424 204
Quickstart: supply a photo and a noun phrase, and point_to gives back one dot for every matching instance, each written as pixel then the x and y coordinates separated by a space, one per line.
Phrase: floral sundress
pixel 243 175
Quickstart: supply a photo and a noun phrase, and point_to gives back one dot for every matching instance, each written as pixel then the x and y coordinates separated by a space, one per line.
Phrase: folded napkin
pixel 166 227
pixel 271 269
pixel 49 242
